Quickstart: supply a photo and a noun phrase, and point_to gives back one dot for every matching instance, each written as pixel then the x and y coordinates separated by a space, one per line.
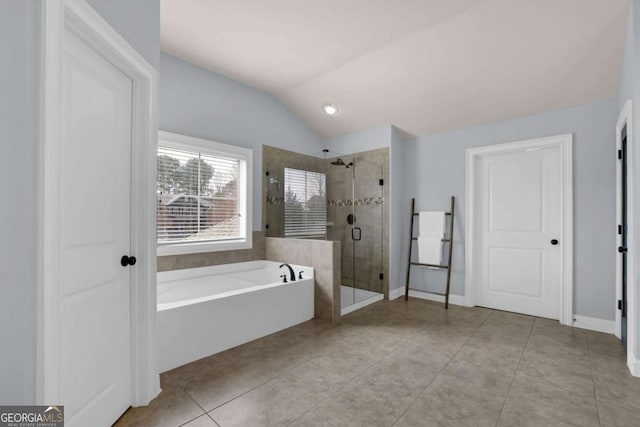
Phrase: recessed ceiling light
pixel 330 109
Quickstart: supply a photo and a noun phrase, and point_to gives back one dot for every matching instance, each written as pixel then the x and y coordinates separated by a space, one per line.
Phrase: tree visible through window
pixel 197 197
pixel 305 203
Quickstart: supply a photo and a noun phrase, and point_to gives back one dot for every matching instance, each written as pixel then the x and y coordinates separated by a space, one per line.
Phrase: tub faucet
pixel 293 275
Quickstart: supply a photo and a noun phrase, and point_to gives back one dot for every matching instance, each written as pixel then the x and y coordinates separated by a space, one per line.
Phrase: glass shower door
pixel 367 230
pixel 355 214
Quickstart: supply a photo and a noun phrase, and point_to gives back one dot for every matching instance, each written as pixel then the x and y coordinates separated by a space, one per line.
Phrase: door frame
pixel 80 18
pixel 625 118
pixel 472 155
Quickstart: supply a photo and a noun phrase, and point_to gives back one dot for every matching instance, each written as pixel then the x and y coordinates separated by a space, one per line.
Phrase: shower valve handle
pixel 353 233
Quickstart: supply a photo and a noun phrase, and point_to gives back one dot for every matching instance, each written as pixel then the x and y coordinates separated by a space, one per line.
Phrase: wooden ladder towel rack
pixel 448 240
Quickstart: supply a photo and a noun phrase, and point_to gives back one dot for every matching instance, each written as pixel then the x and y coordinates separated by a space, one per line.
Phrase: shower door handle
pixel 353 234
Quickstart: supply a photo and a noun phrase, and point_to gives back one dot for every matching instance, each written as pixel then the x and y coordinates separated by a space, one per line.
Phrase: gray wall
pixel 399 211
pixel 19 32
pixel 435 164
pixel 369 139
pixel 137 21
pixel 203 104
pixel 19 48
pixel 632 90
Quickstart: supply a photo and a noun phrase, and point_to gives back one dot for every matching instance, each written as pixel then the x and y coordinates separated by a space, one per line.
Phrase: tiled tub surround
pixel 274 160
pixel 203 311
pixel 406 364
pixel 372 215
pixel 324 257
pixel 179 262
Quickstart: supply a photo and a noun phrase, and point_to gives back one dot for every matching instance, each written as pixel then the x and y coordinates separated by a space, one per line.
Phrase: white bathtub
pixel 202 311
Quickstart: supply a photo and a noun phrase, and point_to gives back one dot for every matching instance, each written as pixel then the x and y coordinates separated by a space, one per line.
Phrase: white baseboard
pixel 634 364
pixel 453 299
pixel 396 293
pixel 594 324
pixel 399 292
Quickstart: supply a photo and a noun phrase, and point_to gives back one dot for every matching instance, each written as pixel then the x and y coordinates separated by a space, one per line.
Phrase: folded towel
pixel 429 250
pixel 432 224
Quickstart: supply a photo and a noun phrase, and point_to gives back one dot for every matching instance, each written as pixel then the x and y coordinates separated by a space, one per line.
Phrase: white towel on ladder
pixel 429 250
pixel 430 239
pixel 432 224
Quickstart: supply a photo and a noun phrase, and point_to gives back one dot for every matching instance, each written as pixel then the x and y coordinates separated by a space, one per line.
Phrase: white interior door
pixel 95 183
pixel 519 226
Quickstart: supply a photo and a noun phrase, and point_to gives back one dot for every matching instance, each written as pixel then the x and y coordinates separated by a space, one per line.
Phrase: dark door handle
pixel 353 234
pixel 127 260
pixel 554 242
pixel 621 249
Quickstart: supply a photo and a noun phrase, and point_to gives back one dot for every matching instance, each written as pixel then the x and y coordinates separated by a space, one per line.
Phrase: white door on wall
pixel 95 183
pixel 519 226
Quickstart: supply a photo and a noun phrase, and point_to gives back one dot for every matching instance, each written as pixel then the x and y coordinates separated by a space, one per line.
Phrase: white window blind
pixel 305 203
pixel 198 197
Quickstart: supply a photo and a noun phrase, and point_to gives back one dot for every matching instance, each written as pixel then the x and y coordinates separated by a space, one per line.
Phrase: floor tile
pixel 540 399
pixel 265 405
pixel 202 421
pixel 614 413
pixel 450 401
pixel 406 364
pixel 172 408
pixel 310 382
pixel 370 400
pixel 220 385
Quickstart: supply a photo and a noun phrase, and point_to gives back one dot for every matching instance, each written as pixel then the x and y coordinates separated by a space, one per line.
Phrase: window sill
pixel 197 247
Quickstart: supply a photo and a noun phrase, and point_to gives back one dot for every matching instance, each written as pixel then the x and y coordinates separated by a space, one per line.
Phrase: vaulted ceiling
pixel 422 65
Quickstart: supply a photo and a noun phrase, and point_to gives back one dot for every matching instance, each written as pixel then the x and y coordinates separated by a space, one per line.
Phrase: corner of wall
pixel 633 363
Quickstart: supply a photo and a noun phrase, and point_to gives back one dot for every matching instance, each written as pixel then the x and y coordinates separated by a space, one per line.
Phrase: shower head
pixel 340 162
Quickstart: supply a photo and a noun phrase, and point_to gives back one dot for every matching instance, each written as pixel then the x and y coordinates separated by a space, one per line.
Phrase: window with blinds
pixel 305 203
pixel 201 198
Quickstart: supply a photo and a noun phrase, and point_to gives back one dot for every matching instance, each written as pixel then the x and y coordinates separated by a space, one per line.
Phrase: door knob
pixel 127 260
pixel 554 242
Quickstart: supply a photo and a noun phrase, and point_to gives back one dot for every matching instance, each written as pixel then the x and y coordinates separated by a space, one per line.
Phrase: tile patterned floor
pixel 406 364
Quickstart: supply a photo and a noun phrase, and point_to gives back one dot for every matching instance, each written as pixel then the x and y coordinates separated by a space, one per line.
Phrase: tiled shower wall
pixel 370 256
pixel 274 160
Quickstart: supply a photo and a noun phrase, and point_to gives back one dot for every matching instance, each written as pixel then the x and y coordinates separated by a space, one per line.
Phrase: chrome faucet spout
pixel 293 275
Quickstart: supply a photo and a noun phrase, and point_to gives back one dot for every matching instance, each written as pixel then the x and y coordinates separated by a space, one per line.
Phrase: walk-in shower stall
pixel 355 217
